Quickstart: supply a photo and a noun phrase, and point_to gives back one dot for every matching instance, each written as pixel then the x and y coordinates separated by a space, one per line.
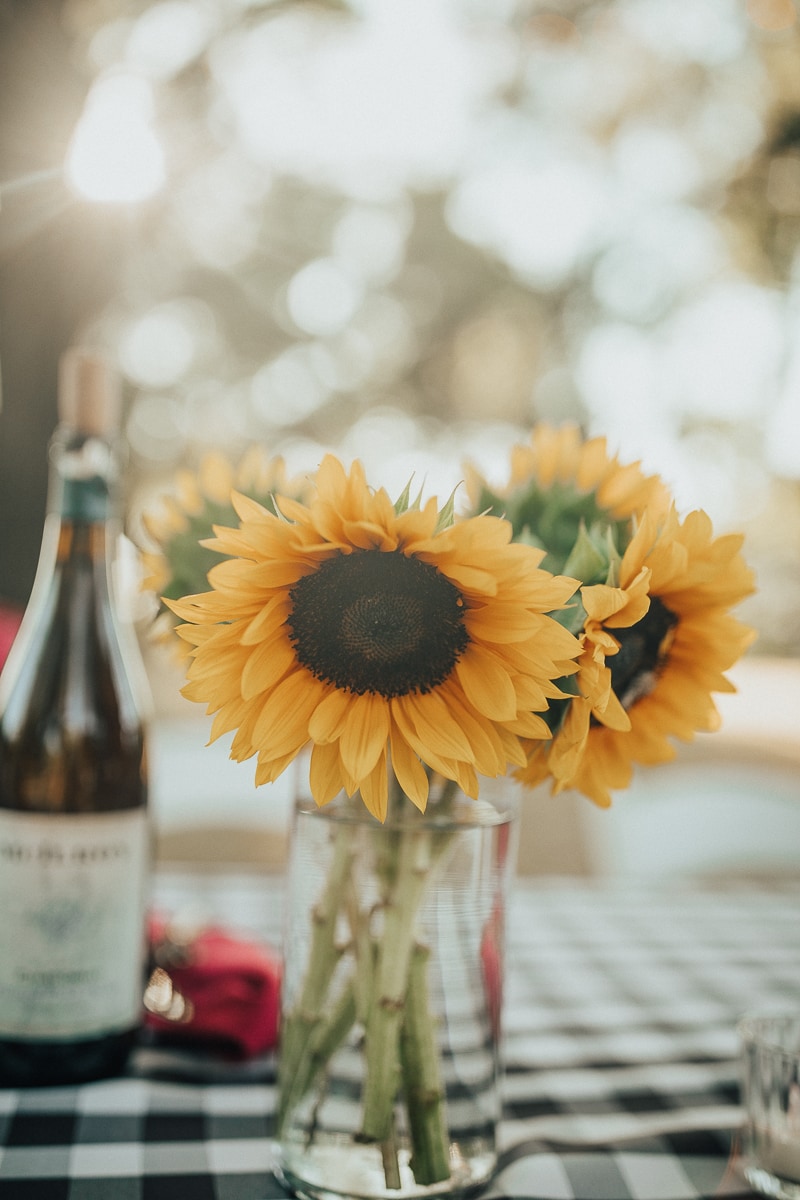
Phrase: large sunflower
pixel 387 636
pixel 655 648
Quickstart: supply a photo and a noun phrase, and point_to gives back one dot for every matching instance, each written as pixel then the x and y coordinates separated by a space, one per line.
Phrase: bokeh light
pixel 407 231
pixel 115 155
pixel 159 347
pixel 323 297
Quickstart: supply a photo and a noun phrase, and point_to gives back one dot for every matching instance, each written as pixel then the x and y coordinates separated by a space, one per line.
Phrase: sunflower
pixel 389 637
pixel 178 564
pixel 569 496
pixel 654 649
pixel 562 484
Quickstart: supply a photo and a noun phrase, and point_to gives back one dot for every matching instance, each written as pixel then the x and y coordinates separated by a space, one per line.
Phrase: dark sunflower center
pixel 380 622
pixel 643 651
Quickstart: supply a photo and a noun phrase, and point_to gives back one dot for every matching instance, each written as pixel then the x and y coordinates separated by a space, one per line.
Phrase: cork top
pixel 89 397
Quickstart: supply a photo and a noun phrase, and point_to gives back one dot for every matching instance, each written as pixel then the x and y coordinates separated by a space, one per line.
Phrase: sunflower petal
pixel 325 777
pixel 268 662
pixel 364 735
pixel 375 789
pixel 487 684
pixel 282 723
pixel 408 770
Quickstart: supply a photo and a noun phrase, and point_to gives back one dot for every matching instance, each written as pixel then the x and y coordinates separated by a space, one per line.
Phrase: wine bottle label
pixel 72 899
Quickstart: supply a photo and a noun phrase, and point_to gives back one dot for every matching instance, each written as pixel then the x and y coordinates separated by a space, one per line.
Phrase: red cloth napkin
pixel 215 990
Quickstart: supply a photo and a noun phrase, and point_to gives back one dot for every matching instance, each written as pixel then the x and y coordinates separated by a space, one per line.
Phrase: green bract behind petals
pixel 589 558
pixel 579 536
pixel 404 503
pixel 447 515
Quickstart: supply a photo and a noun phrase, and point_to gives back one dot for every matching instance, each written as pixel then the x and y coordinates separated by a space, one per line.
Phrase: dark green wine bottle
pixel 74 836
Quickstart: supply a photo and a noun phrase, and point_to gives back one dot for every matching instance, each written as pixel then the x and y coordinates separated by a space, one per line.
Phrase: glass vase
pixel 390 1051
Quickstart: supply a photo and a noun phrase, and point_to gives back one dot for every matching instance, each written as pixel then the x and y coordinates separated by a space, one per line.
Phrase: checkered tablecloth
pixel 621 1050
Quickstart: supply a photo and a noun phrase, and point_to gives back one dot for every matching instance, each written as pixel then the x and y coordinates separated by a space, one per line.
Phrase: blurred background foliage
pixel 406 231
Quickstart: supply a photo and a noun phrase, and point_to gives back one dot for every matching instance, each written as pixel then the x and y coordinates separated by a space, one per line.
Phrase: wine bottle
pixel 74 835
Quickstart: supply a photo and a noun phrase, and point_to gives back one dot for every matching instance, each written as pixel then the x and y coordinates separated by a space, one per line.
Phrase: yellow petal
pixel 484 736
pixel 365 733
pixel 282 724
pixel 487 684
pixel 270 617
pixel 325 776
pixel 266 664
pixel 248 509
pixel 434 725
pixel 375 790
pixel 408 769
pixel 326 723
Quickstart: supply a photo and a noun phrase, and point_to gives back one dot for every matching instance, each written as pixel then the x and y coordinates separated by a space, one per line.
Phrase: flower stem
pixel 300 1026
pixel 422 1084
pixel 390 983
pixel 391 1163
pixel 401 1040
pixel 386 992
pixel 323 1042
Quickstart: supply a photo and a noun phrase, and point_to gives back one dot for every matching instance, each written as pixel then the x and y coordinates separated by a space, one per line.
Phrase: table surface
pixel 621 1053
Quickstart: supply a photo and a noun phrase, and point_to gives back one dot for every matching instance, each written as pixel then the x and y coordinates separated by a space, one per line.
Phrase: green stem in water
pixel 391 1163
pixel 422 1083
pixel 401 1040
pixel 387 992
pixel 390 983
pixel 299 1025
pixel 326 1038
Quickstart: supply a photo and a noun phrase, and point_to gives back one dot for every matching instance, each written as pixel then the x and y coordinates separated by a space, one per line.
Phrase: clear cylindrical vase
pixel 390 1052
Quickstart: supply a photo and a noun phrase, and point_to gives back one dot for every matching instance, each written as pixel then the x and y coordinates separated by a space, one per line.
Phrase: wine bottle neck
pixel 84 502
pixel 85 540
pixel 83 478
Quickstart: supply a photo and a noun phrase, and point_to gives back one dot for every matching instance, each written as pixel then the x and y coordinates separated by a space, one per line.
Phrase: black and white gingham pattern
pixel 621 1048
